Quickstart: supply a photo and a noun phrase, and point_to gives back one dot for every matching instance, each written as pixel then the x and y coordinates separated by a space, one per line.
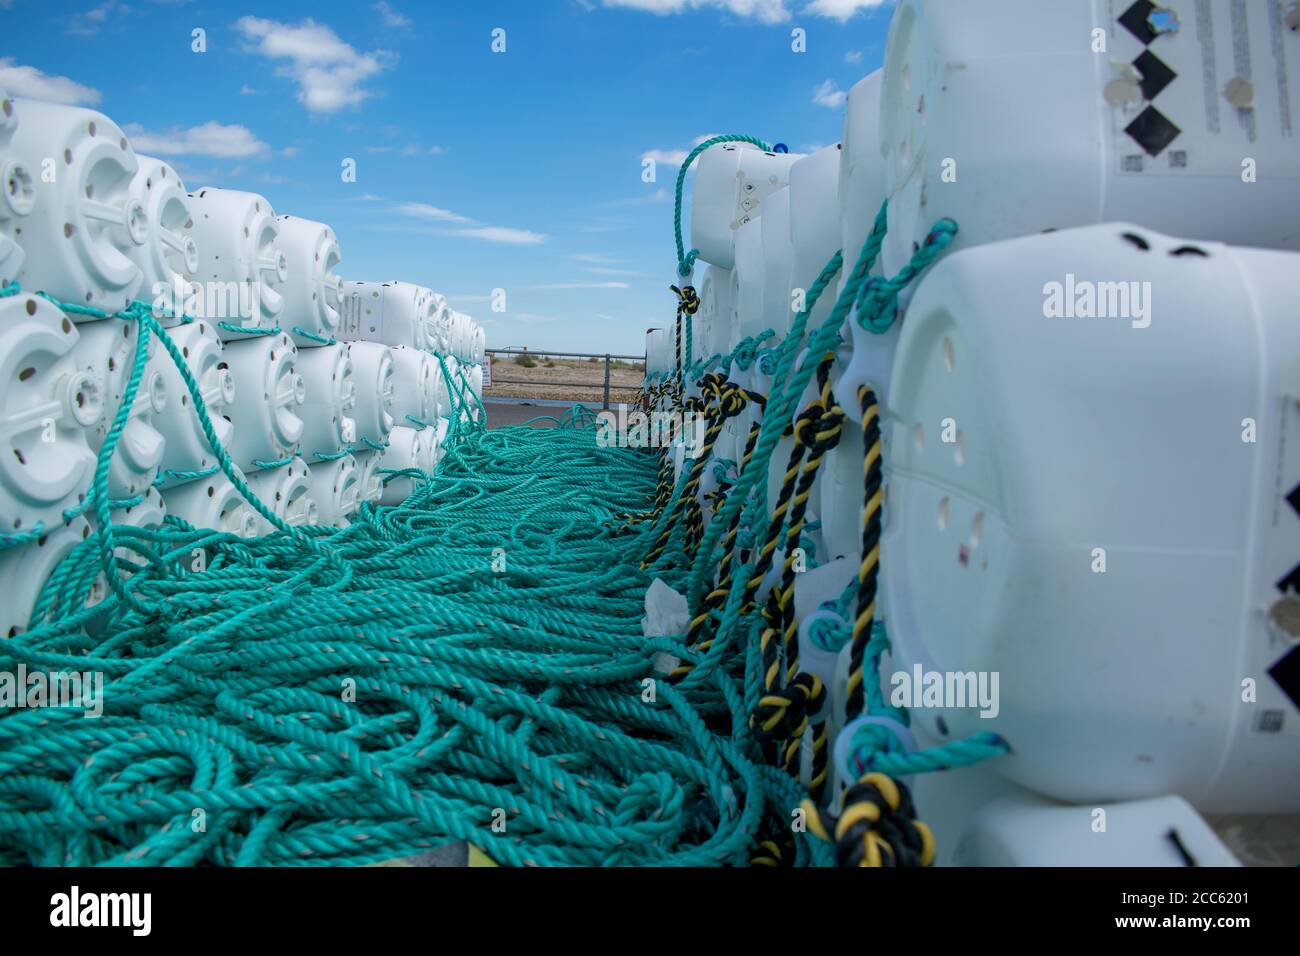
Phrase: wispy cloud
pixel 842 9
pixel 765 11
pixel 209 139
pixel 660 195
pixel 27 81
pixel 89 23
pixel 503 234
pixel 421 210
pixel 674 157
pixel 329 72
pixel 389 16
pixel 829 94
pixel 606 271
pixel 577 285
pixel 475 229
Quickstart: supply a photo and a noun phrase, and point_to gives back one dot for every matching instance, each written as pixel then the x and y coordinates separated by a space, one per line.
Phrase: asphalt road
pixel 508 413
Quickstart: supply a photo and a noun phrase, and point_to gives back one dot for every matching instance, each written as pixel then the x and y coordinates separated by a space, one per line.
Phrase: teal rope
pixel 269 465
pixel 312 336
pixel 474 690
pixel 228 327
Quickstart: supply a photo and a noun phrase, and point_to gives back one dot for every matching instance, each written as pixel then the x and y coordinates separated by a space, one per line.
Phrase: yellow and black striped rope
pixel 876 827
pixel 826 436
pixel 869 570
pixel 699 635
pixel 800 429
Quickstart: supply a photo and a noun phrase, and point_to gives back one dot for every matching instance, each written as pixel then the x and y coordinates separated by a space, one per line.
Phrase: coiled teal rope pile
pixel 468 665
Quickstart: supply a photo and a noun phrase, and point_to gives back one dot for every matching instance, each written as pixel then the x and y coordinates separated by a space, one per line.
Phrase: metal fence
pixel 603 385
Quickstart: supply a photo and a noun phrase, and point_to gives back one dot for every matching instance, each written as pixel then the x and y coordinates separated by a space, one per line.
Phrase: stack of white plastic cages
pixel 311 406
pixel 1018 413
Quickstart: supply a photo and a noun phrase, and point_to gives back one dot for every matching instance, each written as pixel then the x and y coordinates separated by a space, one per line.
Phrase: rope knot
pixel 779 715
pixel 877 826
pixel 688 302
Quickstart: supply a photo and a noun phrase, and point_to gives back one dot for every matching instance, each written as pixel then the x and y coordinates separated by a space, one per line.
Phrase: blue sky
pixel 475 170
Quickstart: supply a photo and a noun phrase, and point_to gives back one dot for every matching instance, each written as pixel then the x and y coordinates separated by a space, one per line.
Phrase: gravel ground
pixel 624 379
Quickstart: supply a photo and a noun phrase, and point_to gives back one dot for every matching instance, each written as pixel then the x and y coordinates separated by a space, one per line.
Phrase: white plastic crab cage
pixel 1063 395
pixel 303 378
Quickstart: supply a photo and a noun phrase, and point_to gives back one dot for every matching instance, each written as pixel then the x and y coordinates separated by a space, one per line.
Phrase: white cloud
pixel 329 72
pixel 502 234
pixel 209 139
pixel 853 56
pixel 410 149
pixel 841 9
pixel 529 318
pixel 27 81
pixel 605 271
pixel 88 23
pixel 247 90
pixel 828 94
pixel 477 230
pixel 668 157
pixel 767 11
pixel 578 285
pixel 391 17
pixel 674 157
pixel 419 210
pixel 437 150
pixel 660 195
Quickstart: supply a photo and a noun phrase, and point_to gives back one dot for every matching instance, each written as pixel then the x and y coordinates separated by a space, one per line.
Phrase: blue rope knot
pixel 877 302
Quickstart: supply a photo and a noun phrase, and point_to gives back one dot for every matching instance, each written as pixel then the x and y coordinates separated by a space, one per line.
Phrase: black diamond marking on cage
pixel 1293 499
pixel 1156 74
pixel 1286 672
pixel 1291 582
pixel 1136 20
pixel 1152 130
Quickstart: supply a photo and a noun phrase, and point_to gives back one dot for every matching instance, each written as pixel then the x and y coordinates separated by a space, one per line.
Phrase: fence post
pixel 606 381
